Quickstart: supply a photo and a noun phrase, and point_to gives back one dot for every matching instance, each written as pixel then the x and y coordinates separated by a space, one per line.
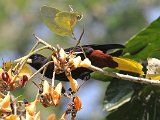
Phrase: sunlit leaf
pixel 145 44
pixel 62 23
pixel 25 71
pixel 10 65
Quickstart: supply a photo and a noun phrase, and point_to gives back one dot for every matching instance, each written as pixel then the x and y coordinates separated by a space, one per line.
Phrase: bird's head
pixel 37 61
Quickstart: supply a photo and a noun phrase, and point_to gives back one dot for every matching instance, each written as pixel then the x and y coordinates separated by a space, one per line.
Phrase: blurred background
pixel 104 21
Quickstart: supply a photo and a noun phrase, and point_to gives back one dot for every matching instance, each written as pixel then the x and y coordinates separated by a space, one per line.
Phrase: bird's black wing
pixel 105 48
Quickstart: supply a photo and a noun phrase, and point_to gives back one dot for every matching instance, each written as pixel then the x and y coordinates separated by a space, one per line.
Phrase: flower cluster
pixel 11 78
pixel 13 75
pixel 50 96
pixel 66 63
pixel 73 107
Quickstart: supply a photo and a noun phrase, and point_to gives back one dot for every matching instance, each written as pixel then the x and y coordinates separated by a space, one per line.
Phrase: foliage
pixel 124 99
pixel 143 101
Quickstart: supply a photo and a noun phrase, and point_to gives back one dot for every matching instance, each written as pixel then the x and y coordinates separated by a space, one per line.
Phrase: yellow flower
pixel 73 83
pixel 12 117
pixel 31 108
pixel 5 104
pixel 85 63
pixel 56 94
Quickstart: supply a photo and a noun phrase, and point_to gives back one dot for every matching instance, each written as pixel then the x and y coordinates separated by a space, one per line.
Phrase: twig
pixel 78 42
pixel 38 71
pixel 22 63
pixel 45 43
pixel 53 78
pixel 34 47
pixel 125 77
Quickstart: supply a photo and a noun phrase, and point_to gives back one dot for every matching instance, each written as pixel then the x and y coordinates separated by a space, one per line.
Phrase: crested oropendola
pixel 98 56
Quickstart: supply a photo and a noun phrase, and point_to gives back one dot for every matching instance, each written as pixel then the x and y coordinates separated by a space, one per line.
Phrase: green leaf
pixel 144 105
pixel 144 99
pixel 60 22
pixel 145 44
pixel 117 94
pixel 144 102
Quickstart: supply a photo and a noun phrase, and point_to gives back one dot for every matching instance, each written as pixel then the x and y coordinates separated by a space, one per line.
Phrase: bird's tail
pixel 128 65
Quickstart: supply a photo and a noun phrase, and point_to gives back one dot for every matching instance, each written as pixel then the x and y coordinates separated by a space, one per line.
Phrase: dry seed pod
pixel 23 80
pixel 5 77
pixel 77 103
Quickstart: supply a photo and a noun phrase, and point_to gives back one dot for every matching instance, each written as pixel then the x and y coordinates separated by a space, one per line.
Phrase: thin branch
pixel 108 73
pixel 45 43
pixel 38 71
pixel 53 78
pixel 78 42
pixel 34 47
pixel 125 77
pixel 22 63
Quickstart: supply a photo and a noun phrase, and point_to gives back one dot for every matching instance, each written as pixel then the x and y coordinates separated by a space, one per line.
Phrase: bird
pixel 97 54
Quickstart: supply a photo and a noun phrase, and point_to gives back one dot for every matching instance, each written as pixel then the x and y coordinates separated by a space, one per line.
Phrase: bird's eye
pixel 88 50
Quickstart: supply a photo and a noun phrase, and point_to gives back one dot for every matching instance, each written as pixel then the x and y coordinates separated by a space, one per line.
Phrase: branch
pixel 108 73
pixel 125 77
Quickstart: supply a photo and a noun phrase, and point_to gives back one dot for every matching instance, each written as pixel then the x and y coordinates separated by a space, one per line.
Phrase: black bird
pixel 96 53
